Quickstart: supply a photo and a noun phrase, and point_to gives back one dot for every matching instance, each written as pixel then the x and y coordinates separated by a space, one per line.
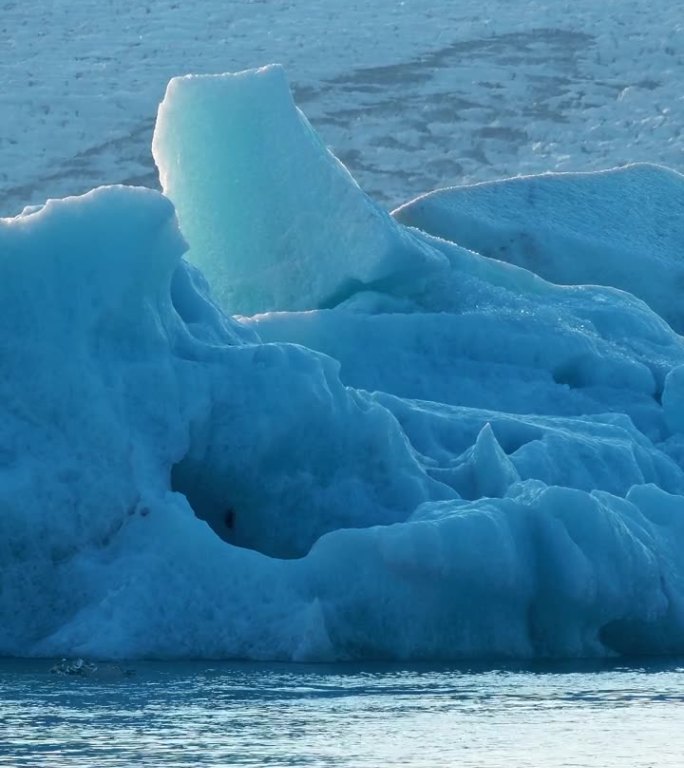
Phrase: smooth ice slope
pixel 273 219
pixel 480 463
pixel 623 228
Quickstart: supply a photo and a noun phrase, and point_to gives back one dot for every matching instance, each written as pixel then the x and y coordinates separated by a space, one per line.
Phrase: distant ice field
pixel 410 95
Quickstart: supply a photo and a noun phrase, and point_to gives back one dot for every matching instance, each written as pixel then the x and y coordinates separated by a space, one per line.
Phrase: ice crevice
pixel 259 417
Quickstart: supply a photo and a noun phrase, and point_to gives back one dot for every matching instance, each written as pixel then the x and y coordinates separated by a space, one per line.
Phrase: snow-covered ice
pixel 411 94
pixel 400 448
pixel 615 228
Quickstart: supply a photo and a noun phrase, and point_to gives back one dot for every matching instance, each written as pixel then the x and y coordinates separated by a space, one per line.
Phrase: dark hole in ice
pixel 575 373
pixel 206 501
pixel 633 637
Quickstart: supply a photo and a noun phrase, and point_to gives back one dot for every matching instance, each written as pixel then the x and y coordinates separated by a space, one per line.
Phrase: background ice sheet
pixel 411 95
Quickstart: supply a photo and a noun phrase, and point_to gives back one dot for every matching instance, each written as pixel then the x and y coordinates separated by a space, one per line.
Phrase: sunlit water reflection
pixel 213 714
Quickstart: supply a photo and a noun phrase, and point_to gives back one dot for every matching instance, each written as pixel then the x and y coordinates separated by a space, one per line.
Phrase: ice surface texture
pixel 408 450
pixel 623 228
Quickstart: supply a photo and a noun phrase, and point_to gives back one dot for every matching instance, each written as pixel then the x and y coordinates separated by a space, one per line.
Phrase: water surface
pixel 242 714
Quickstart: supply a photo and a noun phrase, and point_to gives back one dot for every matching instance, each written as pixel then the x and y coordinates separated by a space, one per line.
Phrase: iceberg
pixel 258 417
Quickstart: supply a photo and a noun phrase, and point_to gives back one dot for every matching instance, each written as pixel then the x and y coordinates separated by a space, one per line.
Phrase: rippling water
pixel 204 714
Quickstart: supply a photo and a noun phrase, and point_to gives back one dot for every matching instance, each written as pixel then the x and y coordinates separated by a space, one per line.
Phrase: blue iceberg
pixel 259 417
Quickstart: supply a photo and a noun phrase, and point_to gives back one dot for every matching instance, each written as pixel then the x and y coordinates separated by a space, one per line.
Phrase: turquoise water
pixel 211 714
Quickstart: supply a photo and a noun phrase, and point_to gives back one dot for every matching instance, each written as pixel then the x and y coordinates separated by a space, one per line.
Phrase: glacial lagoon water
pixel 245 714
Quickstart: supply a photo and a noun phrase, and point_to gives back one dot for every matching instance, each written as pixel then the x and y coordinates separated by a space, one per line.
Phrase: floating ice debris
pixel 83 668
pixel 74 667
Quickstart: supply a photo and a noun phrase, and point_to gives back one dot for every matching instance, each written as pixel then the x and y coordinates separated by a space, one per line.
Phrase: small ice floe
pixel 84 668
pixel 74 667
